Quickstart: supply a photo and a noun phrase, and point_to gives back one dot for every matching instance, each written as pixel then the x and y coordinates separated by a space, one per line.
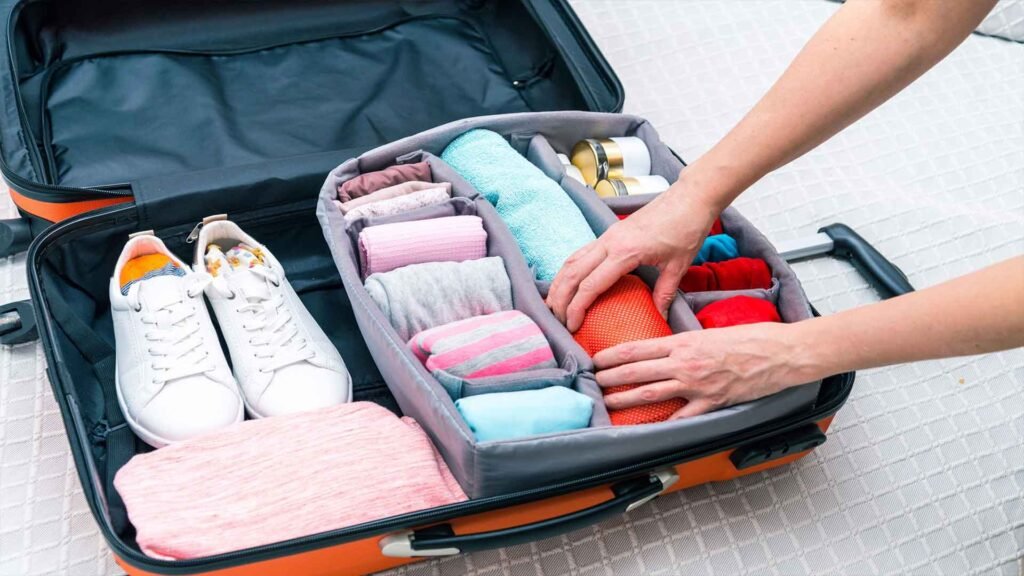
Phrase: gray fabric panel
pixel 628 204
pixel 586 384
pixel 511 465
pixel 505 466
pixel 698 300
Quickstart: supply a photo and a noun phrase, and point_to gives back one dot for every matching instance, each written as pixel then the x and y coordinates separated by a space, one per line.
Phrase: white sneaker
pixel 281 357
pixel 172 379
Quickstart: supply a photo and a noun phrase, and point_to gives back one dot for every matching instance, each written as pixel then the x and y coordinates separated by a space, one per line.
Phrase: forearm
pixel 867 52
pixel 974 314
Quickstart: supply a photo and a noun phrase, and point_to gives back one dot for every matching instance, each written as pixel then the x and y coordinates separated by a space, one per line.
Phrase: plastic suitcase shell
pixel 172 201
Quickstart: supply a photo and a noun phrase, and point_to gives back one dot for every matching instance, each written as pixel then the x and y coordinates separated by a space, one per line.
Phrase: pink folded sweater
pixel 264 481
pixel 452 239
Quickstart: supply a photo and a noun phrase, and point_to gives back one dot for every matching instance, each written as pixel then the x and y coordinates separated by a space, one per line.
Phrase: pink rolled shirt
pixel 451 239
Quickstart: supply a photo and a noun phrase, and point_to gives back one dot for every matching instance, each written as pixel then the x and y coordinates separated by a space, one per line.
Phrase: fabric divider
pixel 698 300
pixel 502 466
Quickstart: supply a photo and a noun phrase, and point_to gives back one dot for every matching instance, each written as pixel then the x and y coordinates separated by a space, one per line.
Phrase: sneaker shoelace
pixel 275 335
pixel 174 334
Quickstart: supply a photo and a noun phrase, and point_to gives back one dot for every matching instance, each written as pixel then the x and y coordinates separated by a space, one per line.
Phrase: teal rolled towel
pixel 717 248
pixel 510 415
pixel 546 223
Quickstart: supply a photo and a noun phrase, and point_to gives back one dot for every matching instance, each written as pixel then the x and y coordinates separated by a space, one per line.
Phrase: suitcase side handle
pixel 441 540
pixel 17 323
pixel 841 241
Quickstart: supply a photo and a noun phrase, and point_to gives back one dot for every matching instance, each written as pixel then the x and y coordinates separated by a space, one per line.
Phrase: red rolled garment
pixel 625 313
pixel 372 181
pixel 736 311
pixel 736 274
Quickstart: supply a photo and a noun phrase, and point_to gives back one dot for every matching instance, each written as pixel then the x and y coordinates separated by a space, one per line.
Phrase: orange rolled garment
pixel 625 313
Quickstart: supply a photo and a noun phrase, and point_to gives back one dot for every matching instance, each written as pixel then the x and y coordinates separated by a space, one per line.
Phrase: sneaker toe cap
pixel 303 387
pixel 190 408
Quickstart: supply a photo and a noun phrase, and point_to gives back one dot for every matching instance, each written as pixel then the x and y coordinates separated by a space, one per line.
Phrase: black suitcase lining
pixel 115 92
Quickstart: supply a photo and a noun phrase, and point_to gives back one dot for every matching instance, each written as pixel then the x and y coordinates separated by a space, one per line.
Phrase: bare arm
pixel 978 313
pixel 867 52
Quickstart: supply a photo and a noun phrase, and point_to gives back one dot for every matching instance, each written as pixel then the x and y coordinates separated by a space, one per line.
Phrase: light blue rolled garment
pixel 717 248
pixel 546 223
pixel 510 415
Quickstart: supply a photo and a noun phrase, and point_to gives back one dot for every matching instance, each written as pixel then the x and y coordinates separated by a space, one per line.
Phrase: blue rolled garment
pixel 717 248
pixel 546 223
pixel 510 415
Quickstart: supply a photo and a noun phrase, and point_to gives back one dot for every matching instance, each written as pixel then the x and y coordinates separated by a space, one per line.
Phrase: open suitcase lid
pixel 106 99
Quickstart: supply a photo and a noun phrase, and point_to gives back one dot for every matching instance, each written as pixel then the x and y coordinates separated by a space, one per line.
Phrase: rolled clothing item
pixel 490 345
pixel 735 274
pixel 420 296
pixel 546 223
pixel 736 311
pixel 716 228
pixel 511 415
pixel 399 204
pixel 625 313
pixel 386 247
pixel 372 181
pixel 273 479
pixel 393 192
pixel 717 248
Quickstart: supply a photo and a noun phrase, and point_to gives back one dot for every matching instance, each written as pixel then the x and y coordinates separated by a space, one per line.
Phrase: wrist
pixel 710 184
pixel 814 351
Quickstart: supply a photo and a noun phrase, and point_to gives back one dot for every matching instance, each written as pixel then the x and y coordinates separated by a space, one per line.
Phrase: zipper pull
pixel 194 234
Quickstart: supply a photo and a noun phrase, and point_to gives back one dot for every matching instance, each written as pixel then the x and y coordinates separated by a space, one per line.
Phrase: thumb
pixel 666 288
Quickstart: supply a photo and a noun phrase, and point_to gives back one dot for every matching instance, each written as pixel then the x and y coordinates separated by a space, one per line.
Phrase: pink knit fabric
pixel 403 189
pixel 264 481
pixel 452 239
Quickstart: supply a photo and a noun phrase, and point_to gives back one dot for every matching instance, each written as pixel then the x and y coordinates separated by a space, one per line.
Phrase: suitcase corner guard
pixel 441 540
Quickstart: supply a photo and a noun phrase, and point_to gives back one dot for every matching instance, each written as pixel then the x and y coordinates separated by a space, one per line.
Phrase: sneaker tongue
pixel 237 267
pixel 161 291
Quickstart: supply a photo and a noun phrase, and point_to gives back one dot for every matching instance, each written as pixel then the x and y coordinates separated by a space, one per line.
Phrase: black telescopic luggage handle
pixel 841 241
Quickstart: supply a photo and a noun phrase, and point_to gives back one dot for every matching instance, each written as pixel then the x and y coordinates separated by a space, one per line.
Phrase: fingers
pixel 695 407
pixel 590 288
pixel 633 352
pixel 637 373
pixel 576 268
pixel 666 287
pixel 646 394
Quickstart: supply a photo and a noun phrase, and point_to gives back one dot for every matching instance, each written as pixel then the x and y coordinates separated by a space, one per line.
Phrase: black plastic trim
pixel 626 494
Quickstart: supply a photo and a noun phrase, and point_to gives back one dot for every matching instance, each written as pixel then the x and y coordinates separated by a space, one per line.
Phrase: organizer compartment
pixel 497 467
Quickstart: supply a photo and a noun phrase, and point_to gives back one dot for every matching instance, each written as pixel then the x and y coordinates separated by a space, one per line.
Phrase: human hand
pixel 711 369
pixel 667 233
